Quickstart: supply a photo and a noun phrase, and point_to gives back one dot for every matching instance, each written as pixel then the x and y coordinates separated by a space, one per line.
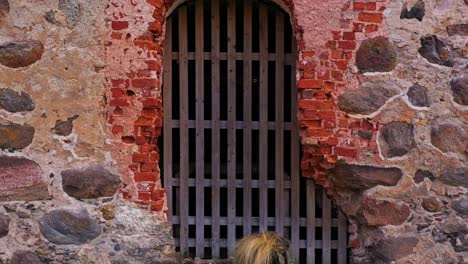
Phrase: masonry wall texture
pixel 382 112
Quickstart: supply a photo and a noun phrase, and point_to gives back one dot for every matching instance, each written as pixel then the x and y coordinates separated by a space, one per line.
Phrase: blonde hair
pixel 262 248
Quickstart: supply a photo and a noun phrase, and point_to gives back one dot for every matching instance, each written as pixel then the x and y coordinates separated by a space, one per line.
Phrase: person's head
pixel 262 248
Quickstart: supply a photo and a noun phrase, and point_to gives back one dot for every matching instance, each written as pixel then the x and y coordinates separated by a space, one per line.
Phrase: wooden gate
pixel 231 153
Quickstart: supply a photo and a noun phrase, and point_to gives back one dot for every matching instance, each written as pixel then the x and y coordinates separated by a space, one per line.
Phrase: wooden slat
pixel 167 128
pixel 263 115
pixel 342 238
pixel 223 124
pixel 311 224
pixel 247 162
pixel 231 131
pixel 215 131
pixel 279 124
pixel 326 228
pixel 239 183
pixel 289 59
pixel 223 243
pixel 199 131
pixel 184 135
pixel 295 166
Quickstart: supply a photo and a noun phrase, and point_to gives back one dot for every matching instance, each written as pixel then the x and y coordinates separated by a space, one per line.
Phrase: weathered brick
pixel 309 84
pixel 146 176
pixel 119 25
pixel 371 17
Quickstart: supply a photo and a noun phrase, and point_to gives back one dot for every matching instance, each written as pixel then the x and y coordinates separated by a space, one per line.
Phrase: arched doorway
pixel 231 159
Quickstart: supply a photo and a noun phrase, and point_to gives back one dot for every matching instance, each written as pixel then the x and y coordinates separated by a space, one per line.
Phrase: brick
pixel 156 3
pixel 371 28
pixel 309 84
pixel 331 44
pixel 310 123
pixel 346 152
pixel 116 92
pixel 358 27
pixel 146 176
pixel 336 35
pixel 117 129
pixel 144 196
pixel 347 44
pixel 332 141
pixel 308 53
pixel 158 194
pixel 371 17
pixel 157 205
pixel 148 102
pixel 318 132
pixel 148 167
pixel 116 35
pixel 119 102
pixel 370 6
pixel 140 157
pixel 349 36
pixel 155 27
pixel 310 104
pixel 327 114
pixel 337 54
pixel 144 121
pixel 120 83
pixel 154 65
pixel 119 25
pixel 145 83
pixel 341 64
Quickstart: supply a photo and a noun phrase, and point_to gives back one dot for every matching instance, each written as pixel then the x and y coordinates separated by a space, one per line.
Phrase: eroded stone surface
pixel 381 212
pixel 394 248
pixel 376 55
pixel 455 176
pixel 368 98
pixel 459 87
pixel 64 127
pixel 420 175
pixel 19 54
pixel 397 139
pixel 417 11
pixel 457 29
pixel 4 8
pixel 361 177
pixel 21 179
pixel 417 96
pixel 63 226
pixel 14 102
pixel 16 136
pixel 461 205
pixel 435 51
pixel 71 9
pixel 4 225
pixel 431 204
pixel 91 182
pixel 25 257
pixel 449 136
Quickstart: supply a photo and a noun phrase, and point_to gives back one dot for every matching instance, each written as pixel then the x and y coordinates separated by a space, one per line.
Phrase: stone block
pixel 22 53
pixel 376 55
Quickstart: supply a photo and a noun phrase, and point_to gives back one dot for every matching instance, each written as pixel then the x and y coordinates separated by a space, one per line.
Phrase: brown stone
pixel 64 127
pixel 22 180
pixel 14 102
pixel 25 257
pixel 4 8
pixel 361 177
pixel 20 53
pixel 420 175
pixel 376 55
pixel 4 225
pixel 431 204
pixel 449 136
pixel 435 51
pixel 455 176
pixel 15 136
pixel 457 29
pixel 417 11
pixel 394 248
pixel 459 87
pixel 417 96
pixel 381 212
pixel 91 182
pixel 368 98
pixel 397 139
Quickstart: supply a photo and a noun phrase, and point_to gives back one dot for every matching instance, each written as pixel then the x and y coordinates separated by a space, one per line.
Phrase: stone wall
pixel 382 111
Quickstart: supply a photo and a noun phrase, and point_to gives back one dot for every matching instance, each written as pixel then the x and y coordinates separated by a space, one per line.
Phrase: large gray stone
pixel 459 87
pixel 394 248
pixel 21 180
pixel 71 9
pixel 25 257
pixel 417 11
pixel 4 225
pixel 15 136
pixel 63 226
pixel 4 8
pixel 20 53
pixel 461 205
pixel 368 98
pixel 435 51
pixel 449 136
pixel 417 96
pixel 397 139
pixel 14 102
pixel 455 176
pixel 361 177
pixel 90 182
pixel 376 55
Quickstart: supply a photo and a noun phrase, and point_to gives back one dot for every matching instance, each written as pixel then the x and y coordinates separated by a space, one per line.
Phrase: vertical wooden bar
pixel 263 170
pixel 326 228
pixel 310 243
pixel 342 237
pixel 231 158
pixel 295 164
pixel 199 130
pixel 167 107
pixel 247 162
pixel 215 130
pixel 184 133
pixel 279 123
